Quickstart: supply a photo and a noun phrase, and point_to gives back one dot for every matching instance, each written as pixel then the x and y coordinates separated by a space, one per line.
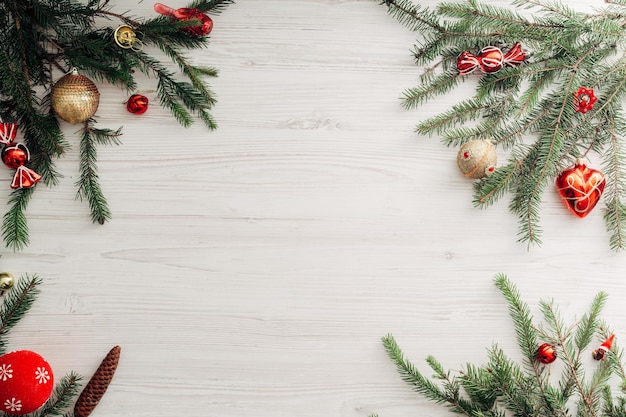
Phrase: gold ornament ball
pixel 6 281
pixel 477 158
pixel 74 97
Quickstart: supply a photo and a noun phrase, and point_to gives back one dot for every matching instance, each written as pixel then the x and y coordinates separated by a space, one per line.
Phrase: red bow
pixel 490 59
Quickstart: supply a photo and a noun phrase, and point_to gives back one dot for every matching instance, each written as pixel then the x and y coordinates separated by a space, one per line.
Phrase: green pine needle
pixel 532 101
pixel 15 304
pixel 503 387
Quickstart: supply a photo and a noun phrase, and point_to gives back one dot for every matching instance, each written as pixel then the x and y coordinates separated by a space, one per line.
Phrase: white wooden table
pixel 251 271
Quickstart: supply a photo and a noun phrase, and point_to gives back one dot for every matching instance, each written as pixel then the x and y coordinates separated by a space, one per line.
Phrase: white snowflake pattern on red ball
pixel 42 375
pixel 13 405
pixel 5 372
pixel 26 382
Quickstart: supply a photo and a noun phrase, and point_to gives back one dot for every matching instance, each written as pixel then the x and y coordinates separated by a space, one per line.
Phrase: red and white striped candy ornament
pixel 7 132
pixel 16 156
pixel 515 56
pixel 491 59
pixel 466 63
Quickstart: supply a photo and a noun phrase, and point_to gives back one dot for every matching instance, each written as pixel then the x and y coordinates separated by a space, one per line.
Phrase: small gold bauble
pixel 74 97
pixel 477 158
pixel 125 37
pixel 6 281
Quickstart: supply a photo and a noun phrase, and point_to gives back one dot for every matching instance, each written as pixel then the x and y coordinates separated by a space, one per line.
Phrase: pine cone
pixel 98 384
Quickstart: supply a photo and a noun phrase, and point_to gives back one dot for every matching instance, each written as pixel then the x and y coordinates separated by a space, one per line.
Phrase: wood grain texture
pixel 252 271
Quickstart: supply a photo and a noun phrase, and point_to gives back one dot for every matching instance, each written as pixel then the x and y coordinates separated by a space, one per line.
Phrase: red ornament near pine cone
pixel 204 26
pixel 137 104
pixel 546 353
pixel 584 99
pixel 580 188
pixel 8 131
pixel 26 382
pixel 16 156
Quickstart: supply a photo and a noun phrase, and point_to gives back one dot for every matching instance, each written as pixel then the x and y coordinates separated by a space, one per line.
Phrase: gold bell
pixel 125 37
pixel 6 282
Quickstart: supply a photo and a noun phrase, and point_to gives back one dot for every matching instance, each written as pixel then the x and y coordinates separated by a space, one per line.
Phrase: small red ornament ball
pixel 491 59
pixel 15 156
pixel 26 382
pixel 137 104
pixel 546 353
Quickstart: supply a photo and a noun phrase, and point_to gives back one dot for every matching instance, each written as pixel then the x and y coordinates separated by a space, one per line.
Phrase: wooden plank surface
pixel 251 271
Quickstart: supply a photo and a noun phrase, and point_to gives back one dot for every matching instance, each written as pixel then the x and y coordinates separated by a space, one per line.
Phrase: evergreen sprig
pixel 503 387
pixel 528 110
pixel 43 39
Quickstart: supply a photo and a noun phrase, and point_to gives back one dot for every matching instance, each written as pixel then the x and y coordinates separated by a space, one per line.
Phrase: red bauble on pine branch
pixel 26 382
pixel 580 188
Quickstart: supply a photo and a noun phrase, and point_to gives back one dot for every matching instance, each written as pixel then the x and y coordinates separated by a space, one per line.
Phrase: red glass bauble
pixel 26 382
pixel 15 156
pixel 7 132
pixel 546 353
pixel 137 104
pixel 188 13
pixel 491 59
pixel 580 188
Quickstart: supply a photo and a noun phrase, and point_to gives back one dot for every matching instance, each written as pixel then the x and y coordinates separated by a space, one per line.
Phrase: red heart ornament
pixel 580 188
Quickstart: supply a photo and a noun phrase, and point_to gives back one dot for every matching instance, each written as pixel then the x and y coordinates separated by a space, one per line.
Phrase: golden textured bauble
pixel 477 158
pixel 74 97
pixel 6 281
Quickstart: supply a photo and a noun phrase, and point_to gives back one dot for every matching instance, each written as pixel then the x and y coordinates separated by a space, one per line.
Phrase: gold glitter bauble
pixel 6 281
pixel 74 97
pixel 477 158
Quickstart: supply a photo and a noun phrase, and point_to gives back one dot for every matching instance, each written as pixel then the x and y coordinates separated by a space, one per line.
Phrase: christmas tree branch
pixel 15 305
pixel 88 184
pixel 62 396
pixel 14 224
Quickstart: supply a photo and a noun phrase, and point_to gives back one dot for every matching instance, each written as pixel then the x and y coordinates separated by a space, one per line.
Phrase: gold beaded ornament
pixel 74 97
pixel 477 158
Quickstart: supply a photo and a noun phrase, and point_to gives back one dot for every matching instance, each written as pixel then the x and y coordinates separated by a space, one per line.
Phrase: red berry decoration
pixel 16 156
pixel 584 99
pixel 7 132
pixel 546 353
pixel 188 13
pixel 601 352
pixel 137 104
pixel 26 382
pixel 580 188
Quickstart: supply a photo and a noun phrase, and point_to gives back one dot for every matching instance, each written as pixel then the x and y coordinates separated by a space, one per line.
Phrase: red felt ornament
pixel 490 59
pixel 601 352
pixel 8 131
pixel 546 353
pixel 584 99
pixel 26 382
pixel 202 28
pixel 580 188
pixel 137 104
pixel 16 156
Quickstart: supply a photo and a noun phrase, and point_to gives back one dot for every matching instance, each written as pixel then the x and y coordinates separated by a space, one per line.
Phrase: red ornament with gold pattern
pixel 16 156
pixel 580 188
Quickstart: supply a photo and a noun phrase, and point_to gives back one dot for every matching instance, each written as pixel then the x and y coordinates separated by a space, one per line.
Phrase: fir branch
pixel 15 304
pixel 88 184
pixel 14 223
pixel 64 392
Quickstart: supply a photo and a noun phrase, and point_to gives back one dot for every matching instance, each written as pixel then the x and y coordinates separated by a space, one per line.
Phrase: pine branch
pixel 88 184
pixel 15 304
pixel 64 393
pixel 14 224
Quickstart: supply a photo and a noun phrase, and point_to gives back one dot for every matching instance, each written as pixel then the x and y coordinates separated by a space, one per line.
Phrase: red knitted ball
pixel 26 382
